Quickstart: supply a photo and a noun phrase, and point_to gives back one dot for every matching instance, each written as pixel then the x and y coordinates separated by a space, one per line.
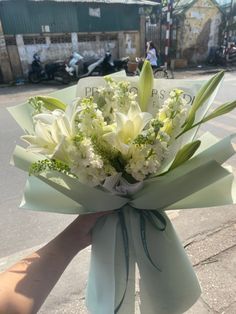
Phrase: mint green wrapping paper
pixel 110 270
pixel 201 181
pixel 173 290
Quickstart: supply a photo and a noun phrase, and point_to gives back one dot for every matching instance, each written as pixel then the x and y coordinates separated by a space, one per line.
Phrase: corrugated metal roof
pixel 139 2
pixel 67 17
pixel 182 5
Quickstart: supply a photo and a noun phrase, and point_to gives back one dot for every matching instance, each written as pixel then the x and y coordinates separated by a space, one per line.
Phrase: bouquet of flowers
pixel 129 146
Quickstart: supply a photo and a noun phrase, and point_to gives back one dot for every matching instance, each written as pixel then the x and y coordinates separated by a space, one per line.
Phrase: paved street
pixel 208 234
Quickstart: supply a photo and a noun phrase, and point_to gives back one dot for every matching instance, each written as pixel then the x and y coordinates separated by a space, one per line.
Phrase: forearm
pixel 25 286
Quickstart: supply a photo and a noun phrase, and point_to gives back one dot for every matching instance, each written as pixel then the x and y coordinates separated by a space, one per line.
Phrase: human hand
pixel 85 224
pixel 80 229
pixel 25 286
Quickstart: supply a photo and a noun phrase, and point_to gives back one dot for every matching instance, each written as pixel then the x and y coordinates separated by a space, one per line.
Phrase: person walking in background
pixel 151 54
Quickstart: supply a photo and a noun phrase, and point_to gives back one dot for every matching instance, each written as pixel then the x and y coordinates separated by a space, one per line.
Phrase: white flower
pixel 91 120
pixel 115 97
pixel 51 131
pixel 87 164
pixel 108 134
pixel 173 114
pixel 145 160
pixel 127 128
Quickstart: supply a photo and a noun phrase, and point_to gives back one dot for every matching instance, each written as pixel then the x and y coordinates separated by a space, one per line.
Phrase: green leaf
pixel 202 96
pixel 51 103
pixel 223 109
pixel 184 154
pixel 145 85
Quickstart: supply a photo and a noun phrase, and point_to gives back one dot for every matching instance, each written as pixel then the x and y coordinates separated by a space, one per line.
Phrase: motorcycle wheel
pixel 163 74
pixel 159 73
pixel 34 78
pixel 62 77
pixel 66 78
pixel 98 71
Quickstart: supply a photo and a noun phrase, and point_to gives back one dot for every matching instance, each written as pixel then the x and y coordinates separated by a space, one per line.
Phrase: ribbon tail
pixel 100 298
pixel 175 288
pixel 124 268
pixel 109 289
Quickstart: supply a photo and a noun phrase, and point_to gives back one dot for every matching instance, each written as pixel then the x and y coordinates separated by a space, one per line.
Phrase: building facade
pixel 56 28
pixel 196 28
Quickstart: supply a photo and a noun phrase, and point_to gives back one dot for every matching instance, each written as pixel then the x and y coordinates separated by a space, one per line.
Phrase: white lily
pixel 51 131
pixel 41 141
pixel 128 127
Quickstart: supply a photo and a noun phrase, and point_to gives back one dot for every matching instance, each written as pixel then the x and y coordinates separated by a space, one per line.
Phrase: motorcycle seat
pixel 90 61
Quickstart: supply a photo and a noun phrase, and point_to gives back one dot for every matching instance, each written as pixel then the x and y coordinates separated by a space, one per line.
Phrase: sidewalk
pixel 201 71
pixel 178 73
pixel 209 236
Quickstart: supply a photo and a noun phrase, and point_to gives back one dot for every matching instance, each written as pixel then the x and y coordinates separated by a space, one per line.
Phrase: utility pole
pixel 229 20
pixel 168 30
pixel 5 65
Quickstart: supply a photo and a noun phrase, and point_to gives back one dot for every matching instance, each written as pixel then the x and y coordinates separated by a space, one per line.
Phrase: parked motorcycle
pixel 121 64
pixel 51 71
pixel 217 56
pixel 99 67
pixel 231 54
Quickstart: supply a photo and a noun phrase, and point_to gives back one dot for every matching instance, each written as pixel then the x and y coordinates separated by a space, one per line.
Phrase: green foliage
pixel 49 103
pixel 184 154
pixel 47 164
pixel 223 109
pixel 202 96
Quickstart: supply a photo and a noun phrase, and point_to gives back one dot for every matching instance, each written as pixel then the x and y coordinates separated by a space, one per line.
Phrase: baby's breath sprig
pixel 49 164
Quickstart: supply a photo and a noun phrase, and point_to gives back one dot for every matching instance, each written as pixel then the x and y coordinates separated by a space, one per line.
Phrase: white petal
pixel 128 131
pixel 133 110
pixel 110 137
pixel 120 120
pixel 64 126
pixel 44 118
pixel 31 139
pixel 146 117
pixel 55 132
pixel 41 131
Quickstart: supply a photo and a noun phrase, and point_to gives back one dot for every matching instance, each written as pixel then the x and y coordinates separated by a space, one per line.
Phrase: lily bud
pixel 145 85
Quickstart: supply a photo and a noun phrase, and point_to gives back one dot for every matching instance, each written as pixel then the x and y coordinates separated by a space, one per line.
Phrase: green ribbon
pixel 125 238
pixel 153 217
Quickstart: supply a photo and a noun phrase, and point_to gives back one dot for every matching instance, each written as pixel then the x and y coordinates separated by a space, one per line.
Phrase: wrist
pixel 68 243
